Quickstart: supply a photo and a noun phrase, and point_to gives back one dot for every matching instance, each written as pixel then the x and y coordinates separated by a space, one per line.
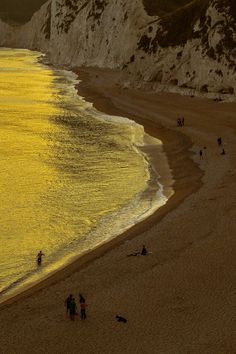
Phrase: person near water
pixel 68 302
pixel 73 308
pixel 39 257
pixel 201 154
pixel 83 306
pixel 144 251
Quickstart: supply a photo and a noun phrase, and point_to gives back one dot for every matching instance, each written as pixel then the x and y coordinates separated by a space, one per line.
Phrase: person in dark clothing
pixel 39 257
pixel 68 302
pixel 201 154
pixel 73 308
pixel 121 319
pixel 179 123
pixel 81 299
pixel 219 141
pixel 144 251
pixel 134 254
pixel 83 306
pixel 223 152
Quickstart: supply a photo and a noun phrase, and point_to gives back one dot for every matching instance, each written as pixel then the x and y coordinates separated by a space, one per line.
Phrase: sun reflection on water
pixel 62 171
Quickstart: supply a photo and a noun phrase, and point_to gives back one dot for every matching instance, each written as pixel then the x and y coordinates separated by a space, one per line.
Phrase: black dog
pixel 121 319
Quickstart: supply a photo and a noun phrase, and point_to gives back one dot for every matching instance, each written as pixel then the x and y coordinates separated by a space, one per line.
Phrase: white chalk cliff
pixel 190 50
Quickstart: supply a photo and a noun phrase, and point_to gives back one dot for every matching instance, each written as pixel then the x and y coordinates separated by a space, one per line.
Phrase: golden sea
pixel 71 177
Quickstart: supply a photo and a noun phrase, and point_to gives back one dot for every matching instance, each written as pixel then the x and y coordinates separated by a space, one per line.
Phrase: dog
pixel 121 319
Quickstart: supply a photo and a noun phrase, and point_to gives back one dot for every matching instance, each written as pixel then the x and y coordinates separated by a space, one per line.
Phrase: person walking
pixel 73 308
pixel 39 257
pixel 68 302
pixel 83 306
pixel 201 154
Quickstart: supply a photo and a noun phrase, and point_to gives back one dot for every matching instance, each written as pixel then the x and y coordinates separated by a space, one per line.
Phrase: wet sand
pixel 180 297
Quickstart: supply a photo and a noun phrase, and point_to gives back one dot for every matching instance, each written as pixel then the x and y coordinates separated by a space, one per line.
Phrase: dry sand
pixel 180 298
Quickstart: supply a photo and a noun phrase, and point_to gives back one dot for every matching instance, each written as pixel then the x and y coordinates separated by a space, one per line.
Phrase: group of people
pixel 219 142
pixel 70 303
pixel 180 123
pixel 71 307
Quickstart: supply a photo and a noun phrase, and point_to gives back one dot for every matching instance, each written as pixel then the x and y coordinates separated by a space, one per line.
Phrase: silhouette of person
pixel 179 124
pixel 201 154
pixel 39 257
pixel 81 299
pixel 219 141
pixel 83 306
pixel 68 302
pixel 73 308
pixel 144 251
pixel 223 152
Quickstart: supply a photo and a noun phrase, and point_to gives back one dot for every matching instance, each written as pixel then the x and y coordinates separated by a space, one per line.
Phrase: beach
pixel 178 299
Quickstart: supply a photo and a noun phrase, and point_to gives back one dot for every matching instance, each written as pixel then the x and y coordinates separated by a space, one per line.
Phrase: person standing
pixel 81 298
pixel 83 306
pixel 73 308
pixel 68 302
pixel 144 251
pixel 223 152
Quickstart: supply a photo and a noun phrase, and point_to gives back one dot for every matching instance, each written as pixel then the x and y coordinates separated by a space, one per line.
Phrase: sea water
pixel 71 177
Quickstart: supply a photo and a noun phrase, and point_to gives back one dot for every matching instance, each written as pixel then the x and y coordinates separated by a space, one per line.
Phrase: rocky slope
pixel 191 48
pixel 15 11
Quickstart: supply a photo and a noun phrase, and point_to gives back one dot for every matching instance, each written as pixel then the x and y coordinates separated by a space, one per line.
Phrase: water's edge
pixel 149 151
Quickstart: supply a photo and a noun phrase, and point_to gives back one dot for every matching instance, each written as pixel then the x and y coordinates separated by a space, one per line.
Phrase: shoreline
pixel 180 297
pixel 89 93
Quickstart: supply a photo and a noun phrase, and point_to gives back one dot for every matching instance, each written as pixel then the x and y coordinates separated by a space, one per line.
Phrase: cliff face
pixel 192 48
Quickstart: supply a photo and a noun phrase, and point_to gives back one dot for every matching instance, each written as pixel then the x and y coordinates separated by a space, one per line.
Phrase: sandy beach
pixel 178 299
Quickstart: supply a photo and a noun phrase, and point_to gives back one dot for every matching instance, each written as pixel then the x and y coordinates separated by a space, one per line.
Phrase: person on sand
pixel 68 302
pixel 182 121
pixel 144 251
pixel 81 298
pixel 83 306
pixel 223 152
pixel 219 141
pixel 179 124
pixel 73 308
pixel 121 319
pixel 39 257
pixel 201 154
pixel 133 254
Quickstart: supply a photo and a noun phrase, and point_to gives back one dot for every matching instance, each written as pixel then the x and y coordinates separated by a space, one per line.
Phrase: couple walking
pixel 71 307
